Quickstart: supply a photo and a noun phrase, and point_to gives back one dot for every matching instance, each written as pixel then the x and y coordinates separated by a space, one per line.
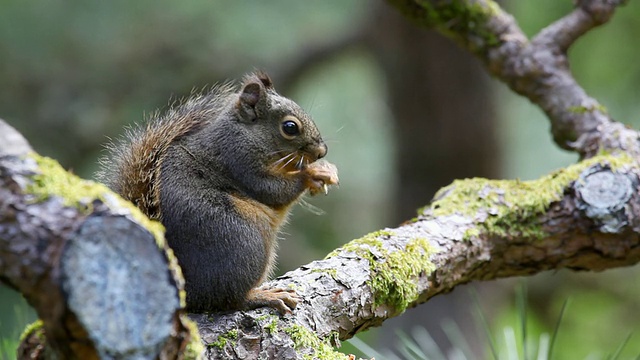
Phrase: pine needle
pixel 557 327
pixel 482 319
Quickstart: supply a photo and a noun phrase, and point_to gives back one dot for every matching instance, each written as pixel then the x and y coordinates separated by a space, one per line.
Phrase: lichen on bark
pixel 303 338
pixel 54 180
pixel 464 21
pixel 513 207
pixel 392 271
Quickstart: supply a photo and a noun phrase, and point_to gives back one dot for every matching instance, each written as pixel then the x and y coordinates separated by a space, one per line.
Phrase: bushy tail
pixel 132 166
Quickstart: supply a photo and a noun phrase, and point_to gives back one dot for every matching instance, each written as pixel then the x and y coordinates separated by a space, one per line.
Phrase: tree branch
pixel 102 284
pixel 587 15
pixel 585 217
pixel 537 69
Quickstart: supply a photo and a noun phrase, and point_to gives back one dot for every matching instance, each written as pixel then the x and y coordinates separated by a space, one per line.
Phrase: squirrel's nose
pixel 320 151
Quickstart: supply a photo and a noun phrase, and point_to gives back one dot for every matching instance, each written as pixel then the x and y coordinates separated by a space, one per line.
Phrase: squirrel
pixel 221 171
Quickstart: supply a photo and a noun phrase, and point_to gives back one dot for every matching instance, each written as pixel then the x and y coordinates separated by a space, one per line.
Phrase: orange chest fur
pixel 267 219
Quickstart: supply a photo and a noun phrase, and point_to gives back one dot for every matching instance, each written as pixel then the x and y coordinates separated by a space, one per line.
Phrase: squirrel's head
pixel 277 125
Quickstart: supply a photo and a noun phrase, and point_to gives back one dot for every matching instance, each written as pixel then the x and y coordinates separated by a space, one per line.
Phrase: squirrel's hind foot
pixel 283 300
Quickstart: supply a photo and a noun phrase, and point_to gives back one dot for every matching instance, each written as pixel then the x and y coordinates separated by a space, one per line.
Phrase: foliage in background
pixel 604 62
pixel 516 335
pixel 604 306
pixel 15 315
pixel 74 72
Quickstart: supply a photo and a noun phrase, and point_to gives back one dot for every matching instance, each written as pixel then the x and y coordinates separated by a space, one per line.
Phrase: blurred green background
pixel 403 111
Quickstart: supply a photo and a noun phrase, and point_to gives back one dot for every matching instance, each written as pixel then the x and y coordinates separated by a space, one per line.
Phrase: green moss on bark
pixel 393 272
pixel 304 338
pixel 53 180
pixel 229 337
pixel 584 109
pixel 268 322
pixel 34 327
pixel 514 207
pixel 194 349
pixel 466 21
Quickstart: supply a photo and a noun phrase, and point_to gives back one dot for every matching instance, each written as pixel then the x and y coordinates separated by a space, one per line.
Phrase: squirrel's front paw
pixel 321 174
pixel 280 299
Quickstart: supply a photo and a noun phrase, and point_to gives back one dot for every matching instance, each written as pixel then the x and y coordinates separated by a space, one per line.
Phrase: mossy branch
pixel 96 270
pixel 582 217
pixel 585 217
pixel 536 68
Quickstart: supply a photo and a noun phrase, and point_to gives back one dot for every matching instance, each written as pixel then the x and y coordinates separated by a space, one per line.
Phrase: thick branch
pixel 584 217
pixel 537 69
pixel 97 278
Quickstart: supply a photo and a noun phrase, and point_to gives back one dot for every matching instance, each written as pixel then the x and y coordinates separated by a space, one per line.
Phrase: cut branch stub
pixel 96 270
pixel 603 196
pixel 117 279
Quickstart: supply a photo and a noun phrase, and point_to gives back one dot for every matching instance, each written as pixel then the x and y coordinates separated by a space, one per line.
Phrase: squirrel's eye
pixel 290 128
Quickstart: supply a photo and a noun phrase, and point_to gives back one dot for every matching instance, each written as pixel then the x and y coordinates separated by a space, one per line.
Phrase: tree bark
pixel 584 217
pixel 101 280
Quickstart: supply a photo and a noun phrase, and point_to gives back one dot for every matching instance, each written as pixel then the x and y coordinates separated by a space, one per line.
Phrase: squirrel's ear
pixel 252 94
pixel 264 78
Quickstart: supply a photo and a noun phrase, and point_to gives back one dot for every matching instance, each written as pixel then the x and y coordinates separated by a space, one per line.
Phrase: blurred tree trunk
pixel 445 129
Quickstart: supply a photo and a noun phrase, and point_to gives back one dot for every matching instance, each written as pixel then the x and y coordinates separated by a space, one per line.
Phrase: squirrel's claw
pixel 282 300
pixel 321 174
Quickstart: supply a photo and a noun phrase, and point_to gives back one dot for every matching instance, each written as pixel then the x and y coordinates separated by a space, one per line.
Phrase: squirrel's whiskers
pixel 294 157
pixel 300 162
pixel 279 161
